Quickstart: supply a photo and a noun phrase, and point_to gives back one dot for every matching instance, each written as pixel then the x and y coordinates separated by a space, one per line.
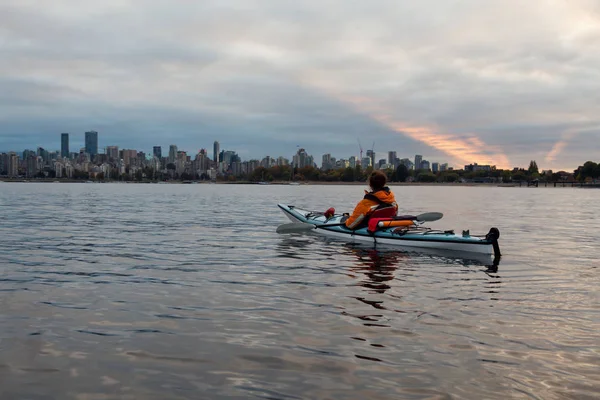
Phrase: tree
pixel 519 176
pixel 171 166
pixel 348 175
pixel 259 174
pixel 358 173
pixel 401 173
pixel 426 177
pixel 138 175
pixel 533 168
pixel 100 176
pixel 448 177
pixel 589 170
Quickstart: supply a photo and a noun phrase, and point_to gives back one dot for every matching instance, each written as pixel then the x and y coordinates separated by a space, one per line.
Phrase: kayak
pixel 404 231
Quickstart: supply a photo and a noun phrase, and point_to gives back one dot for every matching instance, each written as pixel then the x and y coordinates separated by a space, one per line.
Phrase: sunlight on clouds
pixel 566 138
pixel 463 150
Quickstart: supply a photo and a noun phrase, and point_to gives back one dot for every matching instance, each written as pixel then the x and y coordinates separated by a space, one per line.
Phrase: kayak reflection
pixel 377 266
pixel 382 256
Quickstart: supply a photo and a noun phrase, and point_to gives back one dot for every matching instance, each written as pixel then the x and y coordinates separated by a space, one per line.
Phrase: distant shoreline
pixel 314 183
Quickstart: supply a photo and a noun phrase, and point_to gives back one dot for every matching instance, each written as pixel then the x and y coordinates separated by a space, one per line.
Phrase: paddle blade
pixel 430 216
pixel 295 227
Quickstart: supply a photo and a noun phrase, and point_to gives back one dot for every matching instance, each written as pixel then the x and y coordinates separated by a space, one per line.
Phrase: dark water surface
pixel 122 291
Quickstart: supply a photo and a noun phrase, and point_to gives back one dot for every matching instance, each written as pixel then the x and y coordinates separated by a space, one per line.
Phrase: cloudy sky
pixel 458 81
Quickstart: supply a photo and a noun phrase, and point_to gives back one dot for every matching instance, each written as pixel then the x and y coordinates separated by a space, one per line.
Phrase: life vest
pixel 371 201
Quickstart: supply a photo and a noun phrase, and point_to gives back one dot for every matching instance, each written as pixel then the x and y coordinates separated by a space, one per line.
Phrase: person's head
pixel 377 180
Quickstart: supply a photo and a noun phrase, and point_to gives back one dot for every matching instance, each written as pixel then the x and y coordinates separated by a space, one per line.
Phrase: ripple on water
pixel 181 291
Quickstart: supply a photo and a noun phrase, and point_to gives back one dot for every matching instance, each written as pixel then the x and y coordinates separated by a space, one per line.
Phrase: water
pixel 112 291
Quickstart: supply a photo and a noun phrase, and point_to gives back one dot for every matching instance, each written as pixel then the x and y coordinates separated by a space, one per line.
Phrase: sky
pixel 497 82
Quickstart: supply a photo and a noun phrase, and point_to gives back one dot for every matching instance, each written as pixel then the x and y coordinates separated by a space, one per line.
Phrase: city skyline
pixel 496 82
pixel 92 138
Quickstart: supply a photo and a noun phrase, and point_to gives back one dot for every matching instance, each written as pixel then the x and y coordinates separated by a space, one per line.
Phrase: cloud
pixel 490 82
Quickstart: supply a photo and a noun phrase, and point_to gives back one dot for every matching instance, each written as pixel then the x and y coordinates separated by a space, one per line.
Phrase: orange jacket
pixel 367 205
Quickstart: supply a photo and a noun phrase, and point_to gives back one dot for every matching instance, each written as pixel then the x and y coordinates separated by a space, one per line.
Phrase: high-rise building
pixel 112 153
pixel 365 162
pixel 64 145
pixel 444 167
pixel 407 163
pixel 129 157
pixel 371 155
pixel 41 152
pixel 435 167
pixel 352 162
pixel 267 162
pixel 3 164
pixel 91 143
pixel 281 161
pixel 418 160
pixel 326 162
pixel 392 157
pixel 301 159
pixel 157 152
pixel 27 153
pixel 13 164
pixel 425 165
pixel 172 153
pixel 32 165
pixel 201 163
pixel 216 148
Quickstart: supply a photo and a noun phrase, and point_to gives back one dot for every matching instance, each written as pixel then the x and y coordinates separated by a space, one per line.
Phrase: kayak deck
pixel 412 237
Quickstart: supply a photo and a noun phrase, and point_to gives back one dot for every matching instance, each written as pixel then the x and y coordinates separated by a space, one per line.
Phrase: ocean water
pixel 145 291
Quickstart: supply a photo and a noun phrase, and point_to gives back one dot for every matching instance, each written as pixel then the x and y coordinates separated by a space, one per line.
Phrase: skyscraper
pixel 13 164
pixel 64 145
pixel 3 164
pixel 91 143
pixel 43 153
pixel 418 160
pixel 392 157
pixel 301 159
pixel 172 153
pixel 371 155
pixel 216 151
pixel 157 152
pixel 32 165
pixel 112 152
pixel 326 163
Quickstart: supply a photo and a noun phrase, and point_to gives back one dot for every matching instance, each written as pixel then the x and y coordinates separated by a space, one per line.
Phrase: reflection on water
pixel 169 292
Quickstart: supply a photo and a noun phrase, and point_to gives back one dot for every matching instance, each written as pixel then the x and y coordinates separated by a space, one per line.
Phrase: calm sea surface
pixel 123 291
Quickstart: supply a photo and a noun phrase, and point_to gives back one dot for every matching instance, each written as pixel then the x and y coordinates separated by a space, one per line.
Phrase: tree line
pixel 350 174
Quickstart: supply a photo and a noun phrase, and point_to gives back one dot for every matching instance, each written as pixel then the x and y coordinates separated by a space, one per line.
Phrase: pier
pixel 560 184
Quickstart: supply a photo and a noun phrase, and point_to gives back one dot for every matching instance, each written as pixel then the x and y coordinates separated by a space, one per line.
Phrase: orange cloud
pixel 556 150
pixel 464 150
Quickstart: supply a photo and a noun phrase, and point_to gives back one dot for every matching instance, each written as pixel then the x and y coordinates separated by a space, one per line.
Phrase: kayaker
pixel 379 197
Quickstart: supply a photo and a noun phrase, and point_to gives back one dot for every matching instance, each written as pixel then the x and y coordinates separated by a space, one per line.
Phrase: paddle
pixel 294 227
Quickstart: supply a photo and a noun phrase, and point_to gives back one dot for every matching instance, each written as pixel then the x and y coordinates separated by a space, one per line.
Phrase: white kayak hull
pixel 424 239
